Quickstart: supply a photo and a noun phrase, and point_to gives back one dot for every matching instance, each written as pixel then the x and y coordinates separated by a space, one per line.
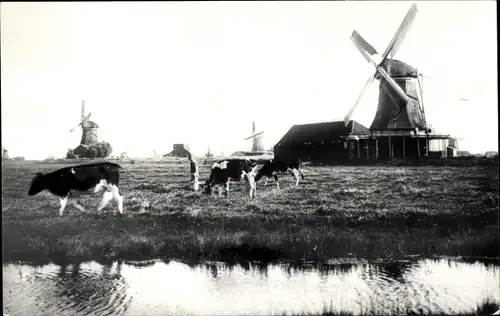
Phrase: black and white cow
pixel 233 169
pixel 81 178
pixel 272 168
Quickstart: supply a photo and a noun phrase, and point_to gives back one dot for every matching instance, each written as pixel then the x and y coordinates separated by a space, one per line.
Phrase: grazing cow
pixel 273 167
pixel 82 178
pixel 195 172
pixel 234 169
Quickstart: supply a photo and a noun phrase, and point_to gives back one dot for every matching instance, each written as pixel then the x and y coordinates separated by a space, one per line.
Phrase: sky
pixel 157 73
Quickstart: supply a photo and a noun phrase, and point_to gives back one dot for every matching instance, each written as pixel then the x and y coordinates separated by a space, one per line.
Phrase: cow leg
pixel 118 198
pixel 277 183
pixel 227 188
pixel 195 177
pixel 79 207
pixel 267 180
pixel 106 197
pixel 301 174
pixel 101 185
pixel 295 173
pixel 220 189
pixel 253 187
pixel 63 201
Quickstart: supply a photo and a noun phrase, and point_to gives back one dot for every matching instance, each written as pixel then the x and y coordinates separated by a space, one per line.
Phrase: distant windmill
pixel 90 130
pixel 5 153
pixel 256 140
pixel 208 153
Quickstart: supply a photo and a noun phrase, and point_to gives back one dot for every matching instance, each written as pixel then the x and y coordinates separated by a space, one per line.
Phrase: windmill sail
pixel 83 109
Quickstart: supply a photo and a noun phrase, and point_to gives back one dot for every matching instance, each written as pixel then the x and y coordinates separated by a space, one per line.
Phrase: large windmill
pixel 400 114
pixel 256 138
pixel 90 130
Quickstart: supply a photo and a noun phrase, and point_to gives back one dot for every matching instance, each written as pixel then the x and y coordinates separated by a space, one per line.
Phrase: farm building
pixel 319 142
pixel 81 150
pixel 180 150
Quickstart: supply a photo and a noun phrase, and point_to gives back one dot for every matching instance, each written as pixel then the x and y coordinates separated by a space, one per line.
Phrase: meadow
pixel 337 213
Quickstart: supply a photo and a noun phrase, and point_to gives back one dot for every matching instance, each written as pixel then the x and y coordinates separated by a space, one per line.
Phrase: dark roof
pixel 178 152
pixel 321 132
pixel 250 153
pixel 397 68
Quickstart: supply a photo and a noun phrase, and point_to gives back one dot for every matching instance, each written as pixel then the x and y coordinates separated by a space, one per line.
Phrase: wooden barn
pixel 319 142
pixel 180 150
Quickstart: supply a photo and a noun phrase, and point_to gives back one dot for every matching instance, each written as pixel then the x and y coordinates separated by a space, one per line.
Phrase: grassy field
pixel 355 212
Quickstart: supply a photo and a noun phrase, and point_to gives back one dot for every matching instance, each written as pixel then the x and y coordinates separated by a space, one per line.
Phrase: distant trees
pixel 103 149
pixel 98 150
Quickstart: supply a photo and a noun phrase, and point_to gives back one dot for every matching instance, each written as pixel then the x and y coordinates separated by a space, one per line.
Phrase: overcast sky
pixel 158 73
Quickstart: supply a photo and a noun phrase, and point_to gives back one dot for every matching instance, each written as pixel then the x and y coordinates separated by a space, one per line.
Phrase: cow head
pixel 206 188
pixel 250 175
pixel 38 184
pixel 266 169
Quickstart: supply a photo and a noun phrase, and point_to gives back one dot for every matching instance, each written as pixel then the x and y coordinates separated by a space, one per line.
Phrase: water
pixel 160 288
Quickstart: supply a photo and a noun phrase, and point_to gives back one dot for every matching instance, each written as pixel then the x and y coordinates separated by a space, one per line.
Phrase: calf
pixel 96 176
pixel 272 167
pixel 235 169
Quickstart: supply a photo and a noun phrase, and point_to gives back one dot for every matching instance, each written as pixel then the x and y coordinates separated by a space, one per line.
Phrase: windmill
pixel 400 98
pixel 256 140
pixel 90 130
pixel 5 153
pixel 400 113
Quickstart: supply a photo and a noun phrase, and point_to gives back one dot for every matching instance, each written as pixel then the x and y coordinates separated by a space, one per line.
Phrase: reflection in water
pixel 159 288
pixel 81 289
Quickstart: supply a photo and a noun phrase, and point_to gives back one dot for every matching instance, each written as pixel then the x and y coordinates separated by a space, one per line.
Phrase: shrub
pixel 98 150
pixel 104 149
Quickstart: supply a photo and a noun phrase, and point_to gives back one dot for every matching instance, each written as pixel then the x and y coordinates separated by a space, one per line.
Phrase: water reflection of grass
pixel 488 307
pixel 354 212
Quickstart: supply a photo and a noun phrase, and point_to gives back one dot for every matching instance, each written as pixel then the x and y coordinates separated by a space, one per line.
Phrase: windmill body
pixel 257 140
pixel 393 113
pixel 399 128
pixel 90 130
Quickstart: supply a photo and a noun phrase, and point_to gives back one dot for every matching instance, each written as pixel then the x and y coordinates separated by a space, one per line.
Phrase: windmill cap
pixel 397 68
pixel 90 124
